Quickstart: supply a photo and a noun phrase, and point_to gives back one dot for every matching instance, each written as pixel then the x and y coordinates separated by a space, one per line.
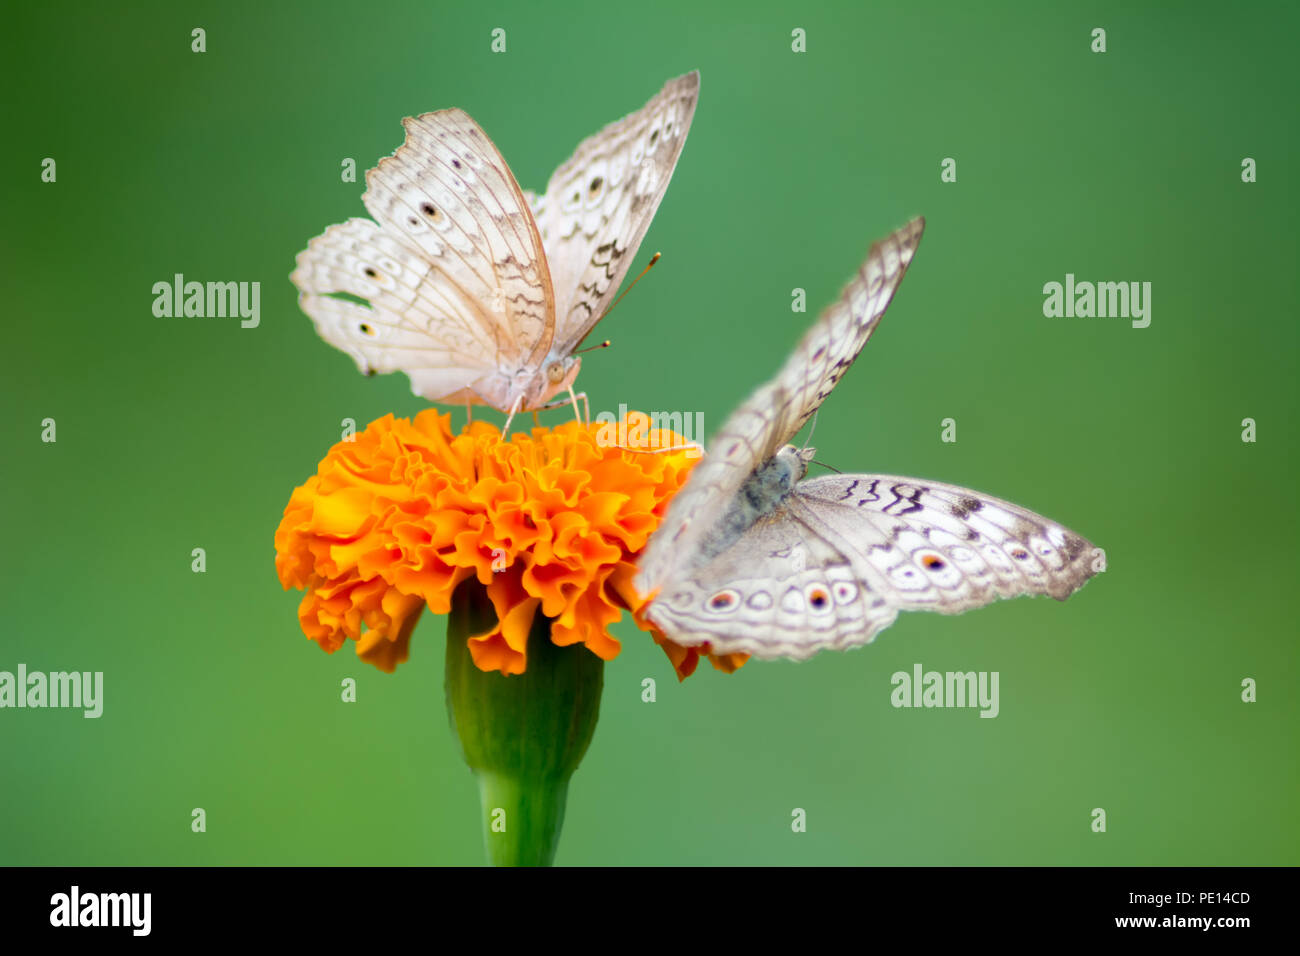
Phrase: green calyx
pixel 523 735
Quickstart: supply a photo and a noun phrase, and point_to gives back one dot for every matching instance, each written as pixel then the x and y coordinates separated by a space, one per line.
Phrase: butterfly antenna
pixel 811 431
pixel 591 348
pixel 648 267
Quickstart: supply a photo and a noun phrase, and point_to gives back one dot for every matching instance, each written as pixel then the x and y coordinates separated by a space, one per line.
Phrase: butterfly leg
pixel 572 399
pixel 510 416
pixel 469 413
pixel 694 448
pixel 586 404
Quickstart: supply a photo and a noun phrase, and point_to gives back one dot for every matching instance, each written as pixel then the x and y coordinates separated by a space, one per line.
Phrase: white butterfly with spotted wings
pixel 479 291
pixel 752 558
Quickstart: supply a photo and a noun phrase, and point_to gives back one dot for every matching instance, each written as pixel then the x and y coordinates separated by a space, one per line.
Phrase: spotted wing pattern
pixel 599 204
pixel 455 287
pixel 834 564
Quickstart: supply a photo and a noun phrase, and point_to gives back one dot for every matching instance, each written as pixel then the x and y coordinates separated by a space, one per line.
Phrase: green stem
pixel 523 735
pixel 533 811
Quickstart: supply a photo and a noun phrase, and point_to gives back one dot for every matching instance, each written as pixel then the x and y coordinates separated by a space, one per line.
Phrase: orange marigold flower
pixel 551 522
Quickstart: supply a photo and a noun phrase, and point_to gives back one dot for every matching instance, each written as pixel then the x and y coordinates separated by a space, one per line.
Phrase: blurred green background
pixel 183 433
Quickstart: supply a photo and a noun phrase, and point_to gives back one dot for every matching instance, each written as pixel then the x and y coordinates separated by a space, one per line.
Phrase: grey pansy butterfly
pixel 751 558
pixel 479 291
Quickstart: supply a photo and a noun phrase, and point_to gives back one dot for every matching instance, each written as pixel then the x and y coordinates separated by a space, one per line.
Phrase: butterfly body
pixel 479 291
pixel 762 494
pixel 753 557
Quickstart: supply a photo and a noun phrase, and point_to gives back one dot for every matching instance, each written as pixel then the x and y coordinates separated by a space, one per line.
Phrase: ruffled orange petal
pixel 550 522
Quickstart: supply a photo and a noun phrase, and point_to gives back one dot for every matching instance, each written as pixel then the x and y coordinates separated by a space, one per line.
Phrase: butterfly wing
pixel 599 204
pixel 473 304
pixel 776 411
pixel 404 315
pixel 945 548
pixel 833 566
pixel 780 590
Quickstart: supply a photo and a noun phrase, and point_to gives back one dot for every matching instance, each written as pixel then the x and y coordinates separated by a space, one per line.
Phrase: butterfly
pixel 478 290
pixel 752 557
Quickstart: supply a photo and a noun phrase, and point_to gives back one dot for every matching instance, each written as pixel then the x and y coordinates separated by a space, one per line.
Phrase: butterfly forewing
pixel 777 410
pixel 947 548
pixel 841 332
pixel 599 204
pixel 449 194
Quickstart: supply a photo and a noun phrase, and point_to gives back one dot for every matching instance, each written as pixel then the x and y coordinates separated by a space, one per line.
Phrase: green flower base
pixel 523 735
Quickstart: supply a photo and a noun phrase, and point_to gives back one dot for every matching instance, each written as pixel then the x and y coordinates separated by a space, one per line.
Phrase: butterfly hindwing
pixel 780 590
pixel 832 566
pixel 401 314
